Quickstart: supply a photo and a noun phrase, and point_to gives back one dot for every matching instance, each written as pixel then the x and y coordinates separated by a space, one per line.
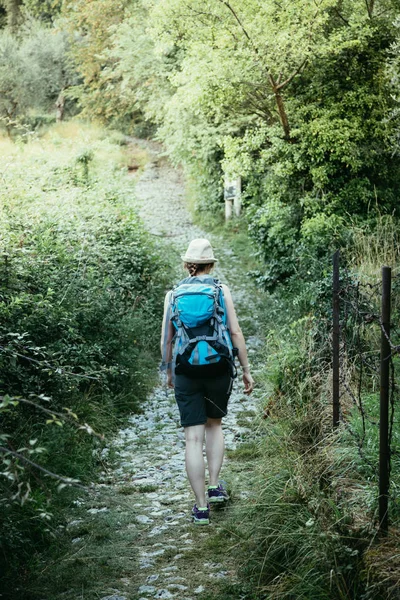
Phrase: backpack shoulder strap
pixel 167 319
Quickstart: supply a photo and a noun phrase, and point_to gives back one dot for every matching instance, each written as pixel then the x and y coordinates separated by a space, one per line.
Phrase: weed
pixel 245 451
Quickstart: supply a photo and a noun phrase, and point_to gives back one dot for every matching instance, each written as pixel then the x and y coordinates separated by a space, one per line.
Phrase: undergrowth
pixel 81 288
pixel 309 527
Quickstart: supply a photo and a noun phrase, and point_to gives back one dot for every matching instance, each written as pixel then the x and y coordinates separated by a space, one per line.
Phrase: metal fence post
pixel 336 339
pixel 384 403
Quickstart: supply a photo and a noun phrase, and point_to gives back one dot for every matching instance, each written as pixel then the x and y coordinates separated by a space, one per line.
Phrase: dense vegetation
pixel 299 98
pixel 81 287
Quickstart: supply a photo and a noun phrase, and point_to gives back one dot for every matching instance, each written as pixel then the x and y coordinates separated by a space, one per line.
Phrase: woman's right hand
pixel 248 383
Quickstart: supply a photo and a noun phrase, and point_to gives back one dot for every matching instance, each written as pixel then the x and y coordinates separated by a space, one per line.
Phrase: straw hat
pixel 199 252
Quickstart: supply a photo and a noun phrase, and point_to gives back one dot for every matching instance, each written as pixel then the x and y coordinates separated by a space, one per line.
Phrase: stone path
pixel 150 475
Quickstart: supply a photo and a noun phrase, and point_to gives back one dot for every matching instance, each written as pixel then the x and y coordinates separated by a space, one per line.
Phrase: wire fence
pixel 366 364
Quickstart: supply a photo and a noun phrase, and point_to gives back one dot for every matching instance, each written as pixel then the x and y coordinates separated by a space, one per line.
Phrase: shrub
pixel 81 288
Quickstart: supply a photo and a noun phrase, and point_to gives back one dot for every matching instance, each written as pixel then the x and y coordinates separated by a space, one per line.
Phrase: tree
pixel 92 22
pixel 13 11
pixel 33 70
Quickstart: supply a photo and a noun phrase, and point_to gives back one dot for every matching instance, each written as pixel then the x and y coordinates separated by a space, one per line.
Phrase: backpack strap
pixel 164 364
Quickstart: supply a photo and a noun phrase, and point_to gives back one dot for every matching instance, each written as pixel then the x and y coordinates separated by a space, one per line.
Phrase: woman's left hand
pixel 170 383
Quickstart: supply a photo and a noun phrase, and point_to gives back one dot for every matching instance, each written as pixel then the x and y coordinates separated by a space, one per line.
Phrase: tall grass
pixel 309 528
pixel 375 245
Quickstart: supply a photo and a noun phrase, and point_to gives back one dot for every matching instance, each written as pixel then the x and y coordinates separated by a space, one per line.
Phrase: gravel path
pixel 169 559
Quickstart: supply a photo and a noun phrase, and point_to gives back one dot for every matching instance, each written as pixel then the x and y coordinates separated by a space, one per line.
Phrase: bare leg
pixel 195 467
pixel 215 447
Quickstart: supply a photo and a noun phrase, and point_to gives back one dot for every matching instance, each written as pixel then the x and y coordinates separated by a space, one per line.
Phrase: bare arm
pixel 238 339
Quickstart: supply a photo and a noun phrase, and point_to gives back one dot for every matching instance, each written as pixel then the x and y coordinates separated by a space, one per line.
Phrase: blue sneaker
pixel 217 494
pixel 201 516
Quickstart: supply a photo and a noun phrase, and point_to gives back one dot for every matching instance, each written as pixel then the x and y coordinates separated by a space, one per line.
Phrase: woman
pixel 203 400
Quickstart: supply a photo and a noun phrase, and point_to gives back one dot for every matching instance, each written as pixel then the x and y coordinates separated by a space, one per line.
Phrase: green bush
pixel 81 287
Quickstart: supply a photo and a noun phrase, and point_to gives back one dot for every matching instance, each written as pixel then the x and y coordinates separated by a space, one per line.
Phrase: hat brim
pixel 199 261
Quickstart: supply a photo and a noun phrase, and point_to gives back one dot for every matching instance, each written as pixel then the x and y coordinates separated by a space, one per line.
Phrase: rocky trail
pixel 136 524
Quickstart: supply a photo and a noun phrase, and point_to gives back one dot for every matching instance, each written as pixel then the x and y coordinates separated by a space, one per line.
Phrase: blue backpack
pixel 202 343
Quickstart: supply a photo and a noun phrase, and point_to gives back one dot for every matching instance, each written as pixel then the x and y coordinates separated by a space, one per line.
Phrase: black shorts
pixel 200 399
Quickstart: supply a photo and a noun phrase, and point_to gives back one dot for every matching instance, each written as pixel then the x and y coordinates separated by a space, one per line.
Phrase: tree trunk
pixel 281 106
pixel 60 106
pixel 13 8
pixel 282 114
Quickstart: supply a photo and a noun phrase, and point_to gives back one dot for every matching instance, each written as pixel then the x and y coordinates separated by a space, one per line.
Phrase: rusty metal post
pixel 336 339
pixel 384 403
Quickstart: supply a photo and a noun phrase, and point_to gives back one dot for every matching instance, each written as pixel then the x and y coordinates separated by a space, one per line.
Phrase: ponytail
pixel 198 269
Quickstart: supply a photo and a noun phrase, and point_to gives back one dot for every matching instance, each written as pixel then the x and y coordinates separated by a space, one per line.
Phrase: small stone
pixel 114 597
pixel 199 590
pixel 219 575
pixel 146 589
pixel 177 586
pixel 169 569
pixel 94 511
pixel 152 554
pixel 76 540
pixel 143 519
pixel 157 530
pixel 75 523
pixel 152 578
pixel 212 565
pixel 164 594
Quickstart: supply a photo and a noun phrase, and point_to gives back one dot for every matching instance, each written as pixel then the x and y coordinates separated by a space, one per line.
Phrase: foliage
pixel 293 96
pixel 295 537
pixel 81 288
pixel 45 10
pixel 101 94
pixel 33 71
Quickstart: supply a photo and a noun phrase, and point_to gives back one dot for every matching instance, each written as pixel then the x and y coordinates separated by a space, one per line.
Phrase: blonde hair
pixel 196 269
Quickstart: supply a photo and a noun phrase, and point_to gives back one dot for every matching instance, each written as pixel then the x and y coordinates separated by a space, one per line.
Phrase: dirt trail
pixel 155 550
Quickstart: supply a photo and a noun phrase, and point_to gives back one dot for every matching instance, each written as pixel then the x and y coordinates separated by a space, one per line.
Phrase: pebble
pixel 151 554
pixel 144 519
pixel 164 594
pixel 177 586
pixel 200 589
pixel 74 523
pixel 169 569
pixel 146 589
pixel 94 511
pixel 157 530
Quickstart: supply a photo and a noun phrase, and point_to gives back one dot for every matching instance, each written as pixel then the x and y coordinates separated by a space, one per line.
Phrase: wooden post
pixel 232 195
pixel 335 339
pixel 237 200
pixel 384 403
pixel 228 208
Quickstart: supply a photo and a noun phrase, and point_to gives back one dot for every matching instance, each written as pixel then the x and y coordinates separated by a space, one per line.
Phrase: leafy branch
pixel 65 480
pixel 56 417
